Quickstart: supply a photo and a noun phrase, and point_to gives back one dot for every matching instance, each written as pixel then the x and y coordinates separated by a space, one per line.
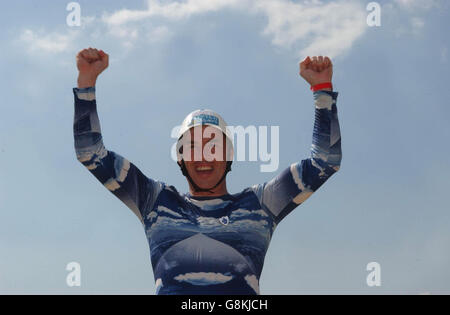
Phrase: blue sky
pixel 388 202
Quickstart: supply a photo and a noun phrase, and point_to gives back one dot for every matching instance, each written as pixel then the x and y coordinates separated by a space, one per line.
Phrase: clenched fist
pixel 316 70
pixel 90 63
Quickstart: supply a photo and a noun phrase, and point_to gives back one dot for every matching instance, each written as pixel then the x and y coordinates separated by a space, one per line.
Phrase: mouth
pixel 204 170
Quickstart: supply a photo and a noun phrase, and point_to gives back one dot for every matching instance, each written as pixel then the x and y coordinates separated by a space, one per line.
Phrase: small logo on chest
pixel 224 220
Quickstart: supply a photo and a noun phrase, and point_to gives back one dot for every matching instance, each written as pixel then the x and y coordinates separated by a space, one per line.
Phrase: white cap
pixel 201 117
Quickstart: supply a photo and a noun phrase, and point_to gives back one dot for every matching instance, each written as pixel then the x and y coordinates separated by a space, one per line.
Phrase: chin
pixel 202 183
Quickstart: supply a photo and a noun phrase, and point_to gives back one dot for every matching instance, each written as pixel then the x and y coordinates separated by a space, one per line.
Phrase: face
pixel 204 155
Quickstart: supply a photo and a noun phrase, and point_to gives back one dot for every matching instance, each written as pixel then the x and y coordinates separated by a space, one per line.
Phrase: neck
pixel 218 191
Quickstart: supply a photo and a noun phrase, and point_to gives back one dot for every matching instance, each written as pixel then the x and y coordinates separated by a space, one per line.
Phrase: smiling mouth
pixel 204 169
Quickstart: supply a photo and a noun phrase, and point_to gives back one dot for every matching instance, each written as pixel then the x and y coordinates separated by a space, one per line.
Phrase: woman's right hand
pixel 90 63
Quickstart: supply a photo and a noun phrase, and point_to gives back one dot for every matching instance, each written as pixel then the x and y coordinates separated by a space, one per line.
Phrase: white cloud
pixel 327 29
pixel 169 211
pixel 417 25
pixel 124 32
pixel 165 222
pixel 309 27
pixel 318 28
pixel 159 33
pixel 40 41
pixel 239 213
pixel 408 16
pixel 54 42
pixel 209 222
pixel 418 4
pixel 249 225
pixel 172 10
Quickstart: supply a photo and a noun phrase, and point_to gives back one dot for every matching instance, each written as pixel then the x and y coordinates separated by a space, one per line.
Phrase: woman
pixel 207 241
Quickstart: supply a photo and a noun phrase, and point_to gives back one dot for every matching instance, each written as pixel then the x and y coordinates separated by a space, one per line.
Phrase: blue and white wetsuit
pixel 208 245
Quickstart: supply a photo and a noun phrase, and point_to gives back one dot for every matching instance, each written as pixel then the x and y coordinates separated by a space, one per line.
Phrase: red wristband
pixel 321 86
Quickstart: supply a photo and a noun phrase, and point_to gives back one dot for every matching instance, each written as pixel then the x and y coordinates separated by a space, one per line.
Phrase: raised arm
pixel 300 180
pixel 116 173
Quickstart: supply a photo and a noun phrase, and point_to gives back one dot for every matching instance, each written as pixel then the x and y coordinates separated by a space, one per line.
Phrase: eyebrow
pixel 209 140
pixel 213 140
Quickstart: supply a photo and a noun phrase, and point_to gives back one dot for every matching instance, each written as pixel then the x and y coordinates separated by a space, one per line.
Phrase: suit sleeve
pixel 300 180
pixel 116 173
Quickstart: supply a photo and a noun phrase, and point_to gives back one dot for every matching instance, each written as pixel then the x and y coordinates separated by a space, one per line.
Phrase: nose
pixel 208 152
